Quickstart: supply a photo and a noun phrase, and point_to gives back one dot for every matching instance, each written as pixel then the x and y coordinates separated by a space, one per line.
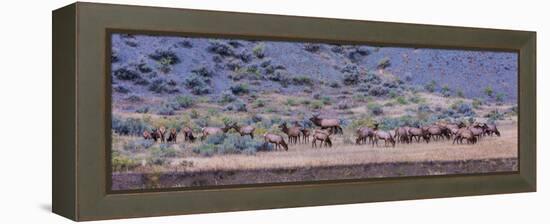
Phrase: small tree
pixel 489 91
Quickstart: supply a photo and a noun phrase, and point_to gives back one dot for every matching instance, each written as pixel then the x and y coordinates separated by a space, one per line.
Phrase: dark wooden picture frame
pixel 81 110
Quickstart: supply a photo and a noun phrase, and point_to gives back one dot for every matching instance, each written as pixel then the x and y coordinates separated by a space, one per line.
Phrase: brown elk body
pixel 245 130
pixel 206 131
pixel 402 134
pixel 146 135
pixel 384 135
pixel 172 135
pixel 364 134
pixel 332 124
pixel 276 139
pixel 188 134
pixel 492 129
pixel 465 133
pixel 322 136
pixel 418 133
pixel 293 133
pixel 161 133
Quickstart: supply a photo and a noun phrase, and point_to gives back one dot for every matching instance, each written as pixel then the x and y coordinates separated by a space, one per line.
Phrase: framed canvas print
pixel 201 111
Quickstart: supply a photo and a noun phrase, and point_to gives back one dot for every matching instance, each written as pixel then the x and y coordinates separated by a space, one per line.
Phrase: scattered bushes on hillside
pixel 185 101
pixel 185 44
pixel 445 91
pixel 121 89
pixel 350 79
pixel 128 126
pixel 161 86
pixel 499 97
pixel 378 91
pixel 372 78
pixel 383 63
pixel 244 56
pixel 488 91
pixel 134 99
pixel 358 53
pixel 430 87
pixel 221 48
pixel 227 97
pixel 311 47
pixel 120 163
pixel 375 109
pixel 302 80
pixel 126 74
pixel 165 57
pixel 203 71
pixel 138 145
pixel 240 89
pixel 337 49
pixel 238 105
pixel 198 85
pixel 235 43
pixel 114 57
pixel 143 68
pixel 494 115
pixel 230 144
pixel 258 51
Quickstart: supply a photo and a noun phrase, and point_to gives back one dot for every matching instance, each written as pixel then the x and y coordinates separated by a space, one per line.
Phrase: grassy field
pixel 342 153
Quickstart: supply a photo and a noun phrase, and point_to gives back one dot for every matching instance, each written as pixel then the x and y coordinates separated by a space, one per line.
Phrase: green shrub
pixel 302 80
pixel 476 103
pixel 138 145
pixel 128 126
pixel 488 91
pixel 326 100
pixel 430 87
pixel 383 63
pixel 316 104
pixel 240 89
pixel 121 163
pixel 499 97
pixel 291 102
pixel 459 93
pixel 184 101
pixel 163 151
pixel 375 109
pixel 401 100
pixel 259 103
pixel 258 50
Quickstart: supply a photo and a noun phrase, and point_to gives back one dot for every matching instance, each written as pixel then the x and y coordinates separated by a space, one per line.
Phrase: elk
pixel 172 135
pixel 188 134
pixel 477 131
pixel 293 133
pixel 417 133
pixel 244 130
pixel 364 133
pixel 146 135
pixel 155 135
pixel 386 136
pixel 206 131
pixel 435 131
pixel 305 132
pixel 324 123
pixel 323 136
pixel 492 129
pixel 402 134
pixel 276 139
pixel 465 133
pixel 161 132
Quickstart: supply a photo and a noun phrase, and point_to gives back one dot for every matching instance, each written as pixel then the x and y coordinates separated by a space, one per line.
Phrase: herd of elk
pixel 329 126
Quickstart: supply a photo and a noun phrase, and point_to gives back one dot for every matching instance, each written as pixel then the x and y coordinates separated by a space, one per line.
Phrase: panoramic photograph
pixel 203 112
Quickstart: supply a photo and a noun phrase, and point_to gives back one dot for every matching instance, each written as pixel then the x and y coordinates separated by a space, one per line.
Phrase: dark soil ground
pixel 129 181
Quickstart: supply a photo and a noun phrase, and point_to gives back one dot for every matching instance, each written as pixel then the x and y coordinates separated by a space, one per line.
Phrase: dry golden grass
pixel 303 155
